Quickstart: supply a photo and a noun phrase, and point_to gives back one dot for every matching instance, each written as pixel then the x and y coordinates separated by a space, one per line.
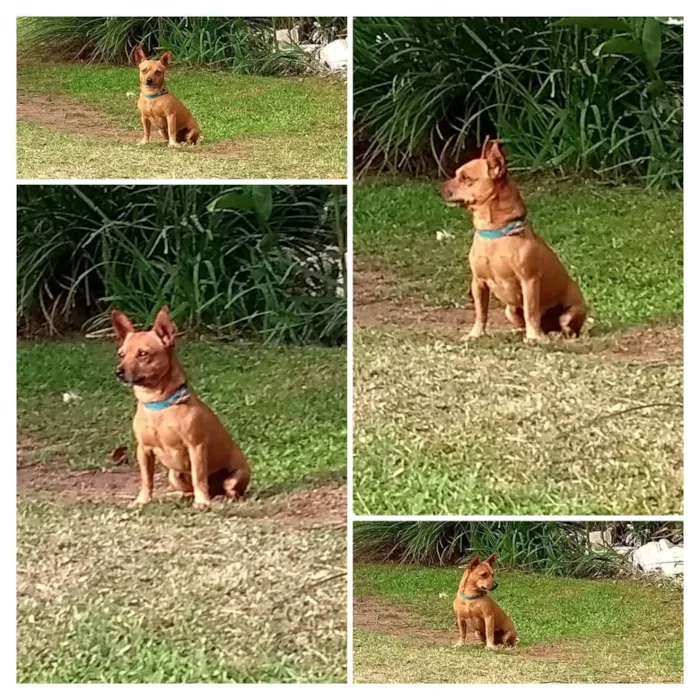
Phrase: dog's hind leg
pixel 509 638
pixel 236 484
pixel 515 316
pixel 572 320
pixel 181 482
pixel 192 135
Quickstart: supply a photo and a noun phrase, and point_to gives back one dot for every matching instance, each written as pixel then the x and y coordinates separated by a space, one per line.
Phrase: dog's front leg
pixel 531 309
pixel 462 624
pixel 172 131
pixel 146 124
pixel 480 292
pixel 490 623
pixel 146 460
pixel 200 475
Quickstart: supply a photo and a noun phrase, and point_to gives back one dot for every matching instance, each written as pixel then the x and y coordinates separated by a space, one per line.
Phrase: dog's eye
pixel 120 353
pixel 144 70
pixel 484 575
pixel 142 354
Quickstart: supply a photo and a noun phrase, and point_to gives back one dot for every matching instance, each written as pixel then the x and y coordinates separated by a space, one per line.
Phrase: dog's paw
pixel 174 144
pixel 140 501
pixel 143 142
pixel 202 505
pixel 492 647
pixel 460 643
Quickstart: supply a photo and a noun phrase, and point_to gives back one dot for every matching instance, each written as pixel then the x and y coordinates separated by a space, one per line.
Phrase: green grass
pixel 167 594
pixel 170 595
pixel 285 407
pixel 570 630
pixel 291 127
pixel 623 245
pixel 500 427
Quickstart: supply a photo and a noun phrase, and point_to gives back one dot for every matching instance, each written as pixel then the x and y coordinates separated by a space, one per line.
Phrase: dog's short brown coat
pixel 521 270
pixel 165 112
pixel 480 612
pixel 186 438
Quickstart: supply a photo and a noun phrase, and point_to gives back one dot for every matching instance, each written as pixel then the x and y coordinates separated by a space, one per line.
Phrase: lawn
pixel 166 594
pixel 623 245
pixel 569 630
pixel 494 426
pixel 285 407
pixel 82 121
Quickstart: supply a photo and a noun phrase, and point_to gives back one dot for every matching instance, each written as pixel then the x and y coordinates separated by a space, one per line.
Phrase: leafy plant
pixel 584 95
pixel 240 44
pixel 228 259
pixel 556 548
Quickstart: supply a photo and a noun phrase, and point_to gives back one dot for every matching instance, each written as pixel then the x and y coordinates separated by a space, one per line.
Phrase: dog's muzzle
pixel 121 375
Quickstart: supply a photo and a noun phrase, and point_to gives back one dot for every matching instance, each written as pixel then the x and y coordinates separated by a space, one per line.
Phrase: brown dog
pixel 158 107
pixel 475 609
pixel 508 258
pixel 171 424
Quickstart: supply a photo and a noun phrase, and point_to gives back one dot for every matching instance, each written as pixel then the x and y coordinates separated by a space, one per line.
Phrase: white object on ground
pixel 660 557
pixel 287 36
pixel 335 54
pixel 443 235
pixel 69 396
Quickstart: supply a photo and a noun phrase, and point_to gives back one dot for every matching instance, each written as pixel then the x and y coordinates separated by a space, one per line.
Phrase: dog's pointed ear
pixel 138 55
pixel 473 563
pixel 491 560
pixel 496 160
pixel 122 325
pixel 164 328
pixel 167 58
pixel 484 146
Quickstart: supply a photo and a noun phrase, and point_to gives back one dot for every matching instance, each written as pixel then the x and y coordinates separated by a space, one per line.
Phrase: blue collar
pixel 180 395
pixel 508 230
pixel 471 597
pixel 164 91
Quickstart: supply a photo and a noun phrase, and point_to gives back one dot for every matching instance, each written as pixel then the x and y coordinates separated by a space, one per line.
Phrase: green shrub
pixel 239 44
pixel 556 548
pixel 262 259
pixel 585 95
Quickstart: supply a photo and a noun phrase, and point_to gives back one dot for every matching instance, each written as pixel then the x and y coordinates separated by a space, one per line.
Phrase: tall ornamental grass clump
pixel 239 44
pixel 599 96
pixel 262 260
pixel 555 548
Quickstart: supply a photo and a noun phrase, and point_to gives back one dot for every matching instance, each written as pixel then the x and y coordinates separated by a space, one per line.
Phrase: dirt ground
pixel 314 506
pixel 374 613
pixel 57 112
pixel 377 302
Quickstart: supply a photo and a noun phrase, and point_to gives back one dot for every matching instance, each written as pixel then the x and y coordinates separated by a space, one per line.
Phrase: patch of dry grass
pixel 444 427
pixel 169 595
pixel 382 659
pixel 570 630
pixel 44 152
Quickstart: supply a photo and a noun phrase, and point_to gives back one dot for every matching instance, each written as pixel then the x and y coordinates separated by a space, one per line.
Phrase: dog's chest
pixel 155 111
pixel 161 432
pixel 495 264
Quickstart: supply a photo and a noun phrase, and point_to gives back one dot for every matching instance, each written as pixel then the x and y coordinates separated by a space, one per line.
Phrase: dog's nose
pixel 119 372
pixel 149 81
